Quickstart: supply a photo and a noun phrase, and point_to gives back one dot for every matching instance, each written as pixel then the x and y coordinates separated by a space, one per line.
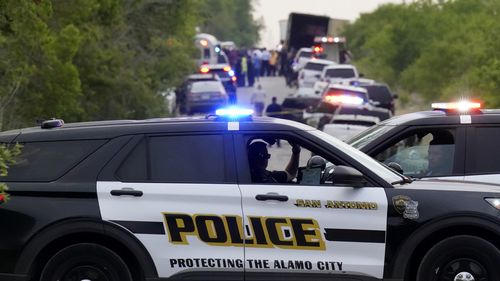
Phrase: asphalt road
pixel 272 86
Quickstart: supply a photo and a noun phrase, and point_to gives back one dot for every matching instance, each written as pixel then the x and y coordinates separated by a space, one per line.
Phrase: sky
pixel 272 11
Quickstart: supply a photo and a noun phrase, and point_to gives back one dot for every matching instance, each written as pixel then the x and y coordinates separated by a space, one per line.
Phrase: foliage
pixel 91 59
pixel 7 156
pixel 440 50
pixel 104 59
pixel 233 21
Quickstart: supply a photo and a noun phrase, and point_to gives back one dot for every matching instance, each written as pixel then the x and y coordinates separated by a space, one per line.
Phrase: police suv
pixel 176 199
pixel 457 140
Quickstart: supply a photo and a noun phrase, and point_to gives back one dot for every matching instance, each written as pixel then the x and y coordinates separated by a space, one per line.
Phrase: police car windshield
pixel 379 169
pixel 359 141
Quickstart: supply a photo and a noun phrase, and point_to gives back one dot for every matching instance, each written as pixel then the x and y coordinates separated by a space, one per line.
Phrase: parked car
pixel 311 72
pixel 381 94
pixel 226 75
pixel 444 143
pixel 336 74
pixel 205 96
pixel 180 92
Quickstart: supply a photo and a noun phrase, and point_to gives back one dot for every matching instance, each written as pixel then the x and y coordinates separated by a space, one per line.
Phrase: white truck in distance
pixel 336 74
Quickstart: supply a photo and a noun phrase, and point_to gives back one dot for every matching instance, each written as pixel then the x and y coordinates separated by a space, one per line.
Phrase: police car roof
pixel 115 128
pixel 439 117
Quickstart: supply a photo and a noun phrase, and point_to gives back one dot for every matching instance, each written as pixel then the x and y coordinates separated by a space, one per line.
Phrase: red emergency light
pixel 317 49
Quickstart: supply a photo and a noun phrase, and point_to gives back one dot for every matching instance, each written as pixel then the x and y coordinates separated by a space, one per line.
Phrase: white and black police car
pixel 179 199
pixel 457 140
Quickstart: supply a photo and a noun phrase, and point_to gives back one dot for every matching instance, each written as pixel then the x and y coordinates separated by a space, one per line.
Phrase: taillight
pixel 227 68
pixel 204 69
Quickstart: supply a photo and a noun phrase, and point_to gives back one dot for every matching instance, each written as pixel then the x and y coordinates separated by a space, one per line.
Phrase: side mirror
pixel 361 75
pixel 317 76
pixel 395 96
pixel 396 167
pixel 344 175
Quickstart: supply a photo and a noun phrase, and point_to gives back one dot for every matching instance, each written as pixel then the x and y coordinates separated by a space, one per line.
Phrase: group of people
pixel 251 64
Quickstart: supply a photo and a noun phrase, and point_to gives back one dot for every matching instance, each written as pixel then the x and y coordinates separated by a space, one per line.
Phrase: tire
pixel 85 261
pixel 461 254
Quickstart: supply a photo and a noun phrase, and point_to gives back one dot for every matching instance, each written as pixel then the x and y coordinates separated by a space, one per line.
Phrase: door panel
pixel 321 229
pixel 165 220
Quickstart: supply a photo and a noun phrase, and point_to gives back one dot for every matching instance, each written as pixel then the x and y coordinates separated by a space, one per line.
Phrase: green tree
pixel 7 156
pixel 230 20
pixel 438 50
pixel 91 59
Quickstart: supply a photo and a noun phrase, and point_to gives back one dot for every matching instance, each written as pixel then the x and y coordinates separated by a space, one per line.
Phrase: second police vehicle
pixel 206 199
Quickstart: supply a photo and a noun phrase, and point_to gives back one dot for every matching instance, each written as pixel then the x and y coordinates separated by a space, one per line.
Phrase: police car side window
pixel 284 161
pixel 47 161
pixel 195 158
pixel 422 153
pixel 185 159
pixel 134 168
pixel 486 155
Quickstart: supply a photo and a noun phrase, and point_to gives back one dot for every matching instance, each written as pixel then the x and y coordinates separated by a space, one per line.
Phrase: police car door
pixel 177 194
pixel 319 230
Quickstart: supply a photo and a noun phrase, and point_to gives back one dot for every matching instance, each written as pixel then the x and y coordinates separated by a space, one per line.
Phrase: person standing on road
pixel 244 69
pixel 274 110
pixel 256 65
pixel 273 63
pixel 251 71
pixel 266 56
pixel 258 100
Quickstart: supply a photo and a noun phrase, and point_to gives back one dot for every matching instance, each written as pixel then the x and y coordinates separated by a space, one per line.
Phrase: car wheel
pixel 461 258
pixel 85 262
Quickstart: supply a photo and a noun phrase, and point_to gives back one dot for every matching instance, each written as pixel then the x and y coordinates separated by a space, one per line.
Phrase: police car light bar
pixel 344 99
pixel 329 39
pixel 460 106
pixel 233 112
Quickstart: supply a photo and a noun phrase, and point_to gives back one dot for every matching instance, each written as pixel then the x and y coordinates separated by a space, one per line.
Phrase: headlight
pixel 495 202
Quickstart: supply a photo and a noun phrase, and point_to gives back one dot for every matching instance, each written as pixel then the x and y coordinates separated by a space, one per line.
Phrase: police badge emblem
pixel 405 206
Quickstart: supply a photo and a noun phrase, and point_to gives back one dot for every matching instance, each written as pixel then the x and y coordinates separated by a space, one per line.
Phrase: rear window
pixel 379 93
pixel 340 73
pixel 207 86
pixel 47 161
pixel 220 72
pixel 315 66
pixel 305 54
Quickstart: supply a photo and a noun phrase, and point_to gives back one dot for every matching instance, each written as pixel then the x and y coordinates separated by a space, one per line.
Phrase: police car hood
pixel 452 185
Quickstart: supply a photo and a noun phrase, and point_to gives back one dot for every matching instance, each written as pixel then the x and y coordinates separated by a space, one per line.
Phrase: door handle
pixel 271 196
pixel 126 191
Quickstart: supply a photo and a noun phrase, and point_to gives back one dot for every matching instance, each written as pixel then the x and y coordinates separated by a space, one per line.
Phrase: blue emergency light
pixel 234 113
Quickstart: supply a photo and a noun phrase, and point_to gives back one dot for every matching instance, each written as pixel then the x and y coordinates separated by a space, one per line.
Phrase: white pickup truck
pixel 336 74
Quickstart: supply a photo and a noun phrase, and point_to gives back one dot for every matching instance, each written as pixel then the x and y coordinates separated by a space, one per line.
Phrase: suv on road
pixel 213 198
pixel 181 91
pixel 444 144
pixel 381 94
